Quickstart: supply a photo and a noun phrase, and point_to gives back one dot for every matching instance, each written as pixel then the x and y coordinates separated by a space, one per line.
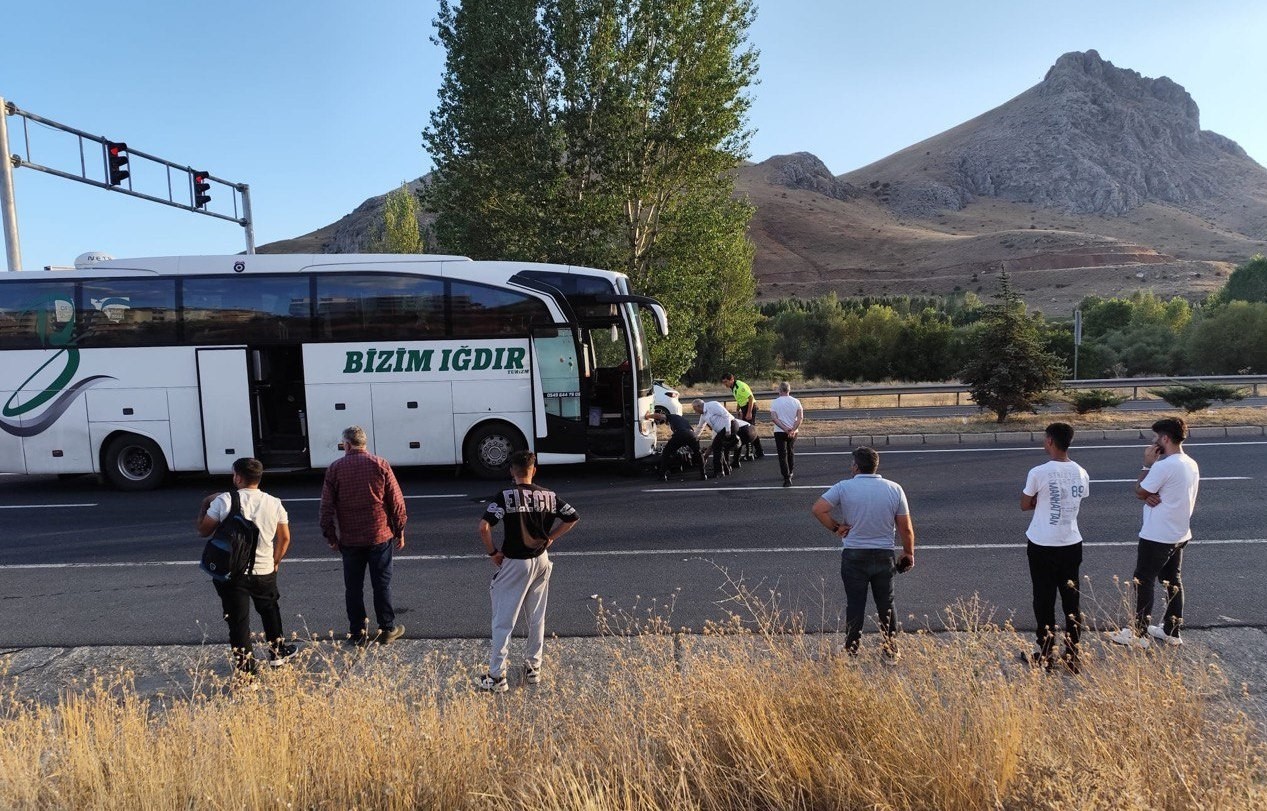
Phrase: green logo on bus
pixel 462 359
pixel 50 336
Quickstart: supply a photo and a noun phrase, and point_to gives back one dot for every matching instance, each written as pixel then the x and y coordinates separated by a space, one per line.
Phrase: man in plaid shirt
pixel 363 518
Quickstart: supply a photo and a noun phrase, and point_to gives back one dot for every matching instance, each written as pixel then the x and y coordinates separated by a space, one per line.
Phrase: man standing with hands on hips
pixel 522 579
pixel 1168 482
pixel 868 513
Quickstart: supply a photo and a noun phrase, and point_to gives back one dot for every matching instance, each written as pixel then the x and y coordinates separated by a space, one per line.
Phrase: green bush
pixel 1085 402
pixel 1197 396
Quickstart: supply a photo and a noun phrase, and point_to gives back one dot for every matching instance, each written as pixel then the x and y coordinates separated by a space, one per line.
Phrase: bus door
pixel 559 371
pixel 611 417
pixel 278 415
pixel 224 396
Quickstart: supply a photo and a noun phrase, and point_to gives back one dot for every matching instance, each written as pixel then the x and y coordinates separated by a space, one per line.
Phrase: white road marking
pixel 1030 448
pixel 39 506
pixel 822 487
pixel 687 552
pixel 1204 479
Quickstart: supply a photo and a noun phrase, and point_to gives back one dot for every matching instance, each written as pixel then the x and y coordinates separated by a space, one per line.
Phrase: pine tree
pixel 1010 369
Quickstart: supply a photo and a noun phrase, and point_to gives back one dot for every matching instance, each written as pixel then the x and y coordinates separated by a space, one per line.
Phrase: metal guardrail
pixel 960 390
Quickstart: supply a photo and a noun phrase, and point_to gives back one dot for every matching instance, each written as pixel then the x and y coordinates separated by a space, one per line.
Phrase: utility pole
pixel 8 208
pixel 116 174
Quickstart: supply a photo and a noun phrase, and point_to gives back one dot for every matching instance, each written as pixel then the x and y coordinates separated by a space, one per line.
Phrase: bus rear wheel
pixel 489 448
pixel 134 462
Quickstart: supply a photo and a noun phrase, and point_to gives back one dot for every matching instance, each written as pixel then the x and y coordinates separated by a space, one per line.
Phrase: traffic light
pixel 117 158
pixel 202 189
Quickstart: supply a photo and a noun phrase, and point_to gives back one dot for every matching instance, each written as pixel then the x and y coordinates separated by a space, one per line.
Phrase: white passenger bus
pixel 137 367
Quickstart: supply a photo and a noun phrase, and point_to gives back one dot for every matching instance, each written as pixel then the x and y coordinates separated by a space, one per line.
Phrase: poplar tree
pixel 400 232
pixel 605 133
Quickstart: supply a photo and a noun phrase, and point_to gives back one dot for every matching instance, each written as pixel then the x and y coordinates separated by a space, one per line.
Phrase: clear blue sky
pixel 319 104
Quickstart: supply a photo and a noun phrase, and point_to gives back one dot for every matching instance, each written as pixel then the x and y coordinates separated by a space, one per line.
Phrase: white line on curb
pixel 766 550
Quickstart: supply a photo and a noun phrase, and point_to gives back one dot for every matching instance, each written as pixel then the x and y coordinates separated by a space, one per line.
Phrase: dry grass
pixel 986 423
pixel 771 719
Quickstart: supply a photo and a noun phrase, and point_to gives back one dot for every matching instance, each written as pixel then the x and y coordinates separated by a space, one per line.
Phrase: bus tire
pixel 488 449
pixel 134 462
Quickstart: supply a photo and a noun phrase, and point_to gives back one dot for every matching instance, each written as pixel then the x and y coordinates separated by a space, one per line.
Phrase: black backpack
pixel 230 551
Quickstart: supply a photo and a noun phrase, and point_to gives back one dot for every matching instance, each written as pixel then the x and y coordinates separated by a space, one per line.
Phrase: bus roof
pixel 430 264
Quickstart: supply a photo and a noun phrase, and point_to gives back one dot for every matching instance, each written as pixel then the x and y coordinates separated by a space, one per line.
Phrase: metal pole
pixel 9 209
pixel 247 223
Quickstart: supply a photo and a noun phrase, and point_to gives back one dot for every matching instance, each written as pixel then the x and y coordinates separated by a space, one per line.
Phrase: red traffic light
pixel 116 162
pixel 202 188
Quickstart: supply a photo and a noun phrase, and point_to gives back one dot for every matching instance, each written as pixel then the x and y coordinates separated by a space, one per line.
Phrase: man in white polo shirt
pixel 867 513
pixel 1168 483
pixel 1054 491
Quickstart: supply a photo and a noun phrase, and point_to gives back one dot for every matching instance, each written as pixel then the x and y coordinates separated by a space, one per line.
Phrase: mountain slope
pixel 1096 180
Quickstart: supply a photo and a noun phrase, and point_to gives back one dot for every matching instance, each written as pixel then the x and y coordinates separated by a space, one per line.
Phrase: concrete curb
pixel 44 674
pixel 1014 437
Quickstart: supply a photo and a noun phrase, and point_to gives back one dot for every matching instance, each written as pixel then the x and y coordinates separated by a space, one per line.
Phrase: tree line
pixel 933 338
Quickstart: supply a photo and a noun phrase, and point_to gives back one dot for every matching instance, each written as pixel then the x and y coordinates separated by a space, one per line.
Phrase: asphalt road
pixel 84 565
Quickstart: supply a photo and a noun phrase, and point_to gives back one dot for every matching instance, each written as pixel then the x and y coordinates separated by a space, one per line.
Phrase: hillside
pixel 1095 180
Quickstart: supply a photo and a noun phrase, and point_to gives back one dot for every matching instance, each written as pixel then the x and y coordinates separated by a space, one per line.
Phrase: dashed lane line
pixel 821 487
pixel 1029 448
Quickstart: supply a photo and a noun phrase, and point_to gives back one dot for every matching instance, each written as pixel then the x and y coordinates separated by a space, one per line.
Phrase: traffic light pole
pixel 8 208
pixel 115 156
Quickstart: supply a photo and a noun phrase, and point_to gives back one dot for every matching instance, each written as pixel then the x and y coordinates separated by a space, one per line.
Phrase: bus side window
pixel 487 311
pixel 128 312
pixel 247 309
pixel 380 307
pixel 36 315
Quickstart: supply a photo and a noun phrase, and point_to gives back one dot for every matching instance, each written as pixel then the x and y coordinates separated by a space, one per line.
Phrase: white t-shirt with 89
pixel 1060 487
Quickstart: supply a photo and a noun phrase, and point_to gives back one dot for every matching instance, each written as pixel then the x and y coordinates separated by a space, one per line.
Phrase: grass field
pixel 726 720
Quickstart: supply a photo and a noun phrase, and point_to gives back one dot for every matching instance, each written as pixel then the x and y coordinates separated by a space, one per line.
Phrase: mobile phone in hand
pixel 904 564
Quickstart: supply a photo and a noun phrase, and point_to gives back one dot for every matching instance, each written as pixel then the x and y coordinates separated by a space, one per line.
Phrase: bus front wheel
pixel 134 462
pixel 489 448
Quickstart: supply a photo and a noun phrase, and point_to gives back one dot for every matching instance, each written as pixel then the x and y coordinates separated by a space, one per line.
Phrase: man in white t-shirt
pixel 1168 483
pixel 1054 491
pixel 260 586
pixel 727 433
pixel 787 414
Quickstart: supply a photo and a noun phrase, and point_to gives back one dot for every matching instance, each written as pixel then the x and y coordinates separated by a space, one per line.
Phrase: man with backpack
pixel 259 519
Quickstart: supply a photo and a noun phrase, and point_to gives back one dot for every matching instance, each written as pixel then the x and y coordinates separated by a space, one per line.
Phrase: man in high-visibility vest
pixel 746 410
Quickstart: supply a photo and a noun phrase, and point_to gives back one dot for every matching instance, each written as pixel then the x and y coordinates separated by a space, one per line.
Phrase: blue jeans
pixel 861 569
pixel 378 559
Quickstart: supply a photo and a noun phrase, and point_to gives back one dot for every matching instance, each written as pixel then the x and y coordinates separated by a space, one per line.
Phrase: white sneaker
pixel 1126 636
pixel 532 675
pixel 1157 632
pixel 493 684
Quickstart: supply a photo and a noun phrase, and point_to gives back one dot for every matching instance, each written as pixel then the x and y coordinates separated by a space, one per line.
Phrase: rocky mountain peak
pixel 1086 71
pixel 1091 138
pixel 803 170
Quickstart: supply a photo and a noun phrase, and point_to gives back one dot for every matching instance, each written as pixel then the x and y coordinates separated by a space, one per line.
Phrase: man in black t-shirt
pixel 522 579
pixel 683 437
